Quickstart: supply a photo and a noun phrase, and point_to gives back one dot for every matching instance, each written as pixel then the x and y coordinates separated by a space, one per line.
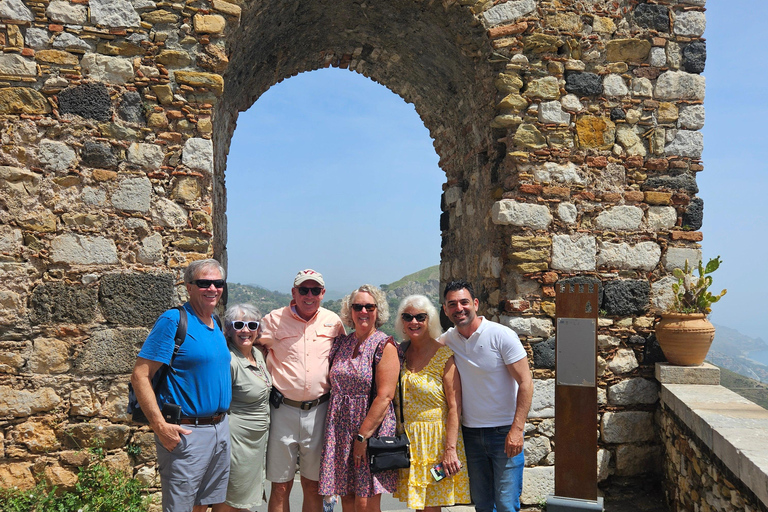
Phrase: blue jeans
pixel 495 480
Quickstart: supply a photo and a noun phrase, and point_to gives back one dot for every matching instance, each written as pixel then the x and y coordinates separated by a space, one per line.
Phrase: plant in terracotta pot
pixel 684 333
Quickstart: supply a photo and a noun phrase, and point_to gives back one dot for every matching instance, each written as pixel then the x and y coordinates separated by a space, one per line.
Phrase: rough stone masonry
pixel 569 132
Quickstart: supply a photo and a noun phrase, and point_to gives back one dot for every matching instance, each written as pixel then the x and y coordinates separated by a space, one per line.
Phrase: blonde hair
pixel 382 308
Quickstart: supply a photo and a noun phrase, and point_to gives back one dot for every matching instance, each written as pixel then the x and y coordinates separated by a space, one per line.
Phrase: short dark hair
pixel 459 284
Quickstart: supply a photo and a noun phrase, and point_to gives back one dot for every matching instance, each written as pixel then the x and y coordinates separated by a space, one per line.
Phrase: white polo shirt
pixel 489 393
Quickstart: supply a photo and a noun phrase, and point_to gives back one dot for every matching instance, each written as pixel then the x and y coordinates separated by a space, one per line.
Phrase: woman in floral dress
pixel 432 408
pixel 352 417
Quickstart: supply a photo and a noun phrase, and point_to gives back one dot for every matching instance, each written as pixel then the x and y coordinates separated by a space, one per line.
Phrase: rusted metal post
pixel 576 398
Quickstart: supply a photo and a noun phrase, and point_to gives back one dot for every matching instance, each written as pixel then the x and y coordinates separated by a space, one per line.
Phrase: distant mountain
pixel 424 282
pixel 260 297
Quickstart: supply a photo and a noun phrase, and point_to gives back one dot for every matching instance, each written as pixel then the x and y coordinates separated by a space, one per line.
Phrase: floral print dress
pixel 351 378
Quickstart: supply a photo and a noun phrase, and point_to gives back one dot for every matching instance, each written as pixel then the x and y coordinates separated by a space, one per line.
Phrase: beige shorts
pixel 295 436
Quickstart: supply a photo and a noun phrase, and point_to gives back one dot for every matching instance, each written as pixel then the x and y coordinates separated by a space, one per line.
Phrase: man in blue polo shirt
pixel 193 442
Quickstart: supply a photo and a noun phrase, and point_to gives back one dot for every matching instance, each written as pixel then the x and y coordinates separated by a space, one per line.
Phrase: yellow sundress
pixel 426 411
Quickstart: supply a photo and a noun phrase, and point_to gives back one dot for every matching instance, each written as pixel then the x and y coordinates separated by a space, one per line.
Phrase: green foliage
pixel 691 292
pixel 98 489
pixel 260 297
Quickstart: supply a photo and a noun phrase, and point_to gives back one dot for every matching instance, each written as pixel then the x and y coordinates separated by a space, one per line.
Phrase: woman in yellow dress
pixel 432 408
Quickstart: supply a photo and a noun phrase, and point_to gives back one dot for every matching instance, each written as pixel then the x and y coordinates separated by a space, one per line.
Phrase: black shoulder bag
pixel 389 452
pixel 137 415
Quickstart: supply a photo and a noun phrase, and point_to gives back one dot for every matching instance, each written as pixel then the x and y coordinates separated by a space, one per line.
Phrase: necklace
pixel 259 371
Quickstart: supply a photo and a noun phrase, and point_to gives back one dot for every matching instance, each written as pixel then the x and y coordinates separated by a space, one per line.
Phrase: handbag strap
pixel 399 385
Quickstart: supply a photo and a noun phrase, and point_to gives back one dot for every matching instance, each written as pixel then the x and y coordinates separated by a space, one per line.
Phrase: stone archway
pixel 409 47
pixel 568 132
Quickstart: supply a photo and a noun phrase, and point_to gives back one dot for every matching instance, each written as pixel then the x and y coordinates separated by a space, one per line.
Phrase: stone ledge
pixel 735 429
pixel 702 374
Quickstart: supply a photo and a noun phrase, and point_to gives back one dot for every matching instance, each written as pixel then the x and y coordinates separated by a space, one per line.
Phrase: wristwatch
pixel 360 437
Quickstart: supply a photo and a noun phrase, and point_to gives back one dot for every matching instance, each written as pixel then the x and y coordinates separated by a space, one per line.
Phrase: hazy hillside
pixel 748 388
pixel 730 350
pixel 425 282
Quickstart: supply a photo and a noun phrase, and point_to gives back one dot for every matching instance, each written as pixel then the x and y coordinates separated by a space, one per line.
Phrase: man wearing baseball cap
pixel 298 338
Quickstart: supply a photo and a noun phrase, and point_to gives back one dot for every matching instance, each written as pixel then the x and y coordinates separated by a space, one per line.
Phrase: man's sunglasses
pixel 206 283
pixel 367 307
pixel 420 317
pixel 239 325
pixel 315 290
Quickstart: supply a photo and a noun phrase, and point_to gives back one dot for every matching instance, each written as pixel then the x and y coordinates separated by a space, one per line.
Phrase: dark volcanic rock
pixel 684 182
pixel 90 100
pixel 695 57
pixel 135 299
pixel 652 16
pixel 626 297
pixel 583 84
pixel 694 214
pixel 131 108
pixel 544 354
pixel 99 154
pixel 63 303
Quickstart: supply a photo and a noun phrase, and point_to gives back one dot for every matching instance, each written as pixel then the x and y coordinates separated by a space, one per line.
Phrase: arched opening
pixel 424 53
pixel 331 170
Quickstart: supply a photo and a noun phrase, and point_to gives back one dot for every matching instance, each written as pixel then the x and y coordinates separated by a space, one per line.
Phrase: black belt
pixel 305 406
pixel 207 420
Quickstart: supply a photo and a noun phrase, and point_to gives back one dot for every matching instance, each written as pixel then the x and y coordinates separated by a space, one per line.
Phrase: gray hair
pixel 245 312
pixel 382 308
pixel 421 303
pixel 197 267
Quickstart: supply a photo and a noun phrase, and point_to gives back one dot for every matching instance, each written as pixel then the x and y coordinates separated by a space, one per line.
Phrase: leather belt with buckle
pixel 207 420
pixel 305 406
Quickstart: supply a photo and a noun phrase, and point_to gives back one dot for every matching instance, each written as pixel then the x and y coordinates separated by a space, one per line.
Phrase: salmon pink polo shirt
pixel 298 351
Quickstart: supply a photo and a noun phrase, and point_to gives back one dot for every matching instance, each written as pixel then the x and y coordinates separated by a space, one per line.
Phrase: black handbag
pixel 389 452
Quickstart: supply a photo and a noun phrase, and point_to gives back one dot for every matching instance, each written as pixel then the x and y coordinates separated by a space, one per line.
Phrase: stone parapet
pixel 715 449
pixel 701 374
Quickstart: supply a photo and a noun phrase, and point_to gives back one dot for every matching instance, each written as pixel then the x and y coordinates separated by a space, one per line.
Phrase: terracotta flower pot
pixel 685 338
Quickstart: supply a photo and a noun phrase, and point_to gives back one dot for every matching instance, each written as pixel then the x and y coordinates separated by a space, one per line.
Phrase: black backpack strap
pixel 181 335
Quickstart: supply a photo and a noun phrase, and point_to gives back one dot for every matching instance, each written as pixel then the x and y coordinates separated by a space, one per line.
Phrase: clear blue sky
pixel 332 171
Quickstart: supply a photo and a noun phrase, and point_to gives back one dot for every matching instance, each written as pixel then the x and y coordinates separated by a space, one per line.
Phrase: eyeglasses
pixel 206 283
pixel 420 317
pixel 239 325
pixel 315 290
pixel 367 307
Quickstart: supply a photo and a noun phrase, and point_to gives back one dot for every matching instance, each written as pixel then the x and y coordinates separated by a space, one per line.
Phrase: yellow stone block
pixel 59 57
pixel 603 25
pixel 658 198
pixel 595 132
pixel 227 8
pixel 210 81
pixel 627 50
pixel 668 112
pixel 209 23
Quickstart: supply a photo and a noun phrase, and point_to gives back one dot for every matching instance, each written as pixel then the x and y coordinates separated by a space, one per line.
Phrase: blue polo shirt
pixel 201 384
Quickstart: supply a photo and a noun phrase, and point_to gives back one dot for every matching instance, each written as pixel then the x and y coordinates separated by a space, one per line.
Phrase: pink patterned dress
pixel 350 394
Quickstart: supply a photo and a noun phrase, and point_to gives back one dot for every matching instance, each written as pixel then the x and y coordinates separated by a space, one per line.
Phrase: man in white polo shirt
pixel 496 388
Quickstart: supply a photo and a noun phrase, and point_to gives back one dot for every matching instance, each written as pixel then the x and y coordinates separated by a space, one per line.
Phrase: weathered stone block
pixel 685 182
pixel 567 212
pixel 15 64
pixel 538 483
pixel 575 253
pixel 131 108
pixel 510 212
pixel 56 156
pixel 620 218
pixel 552 112
pixel 686 143
pixel 695 57
pixel 146 156
pixel 49 356
pixel 114 13
pixel 661 217
pixel 623 361
pixel 536 448
pixel 541 43
pixel 135 299
pixel 626 297
pixel 62 11
pixel 508 12
pixel 528 326
pixel 17 11
pixel 17 475
pixel 67 41
pixel 691 117
pixel 689 23
pixel 694 214
pixel 595 132
pixel 627 427
pixel 208 23
pixel 20 402
pixel 528 136
pixel 37 437
pixel 583 84
pixel 167 213
pixel 86 435
pixel 633 391
pixel 98 154
pixel 210 81
pixel 111 70
pixel 655 17
pixel 547 88
pixel 83 250
pixel 627 50
pixel 543 404
pixel 198 155
pixel 632 460
pixel 679 85
pixel 544 354
pixel 159 16
pixel 111 351
pixel 625 256
pixel 133 195
pixel 62 303
pixel 151 250
pixel 614 86
pixel 676 257
pixel 89 100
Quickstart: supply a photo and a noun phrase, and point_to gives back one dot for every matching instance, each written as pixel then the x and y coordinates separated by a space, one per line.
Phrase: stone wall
pixel 568 131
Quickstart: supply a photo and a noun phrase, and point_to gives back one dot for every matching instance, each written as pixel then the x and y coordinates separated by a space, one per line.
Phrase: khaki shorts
pixel 295 436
